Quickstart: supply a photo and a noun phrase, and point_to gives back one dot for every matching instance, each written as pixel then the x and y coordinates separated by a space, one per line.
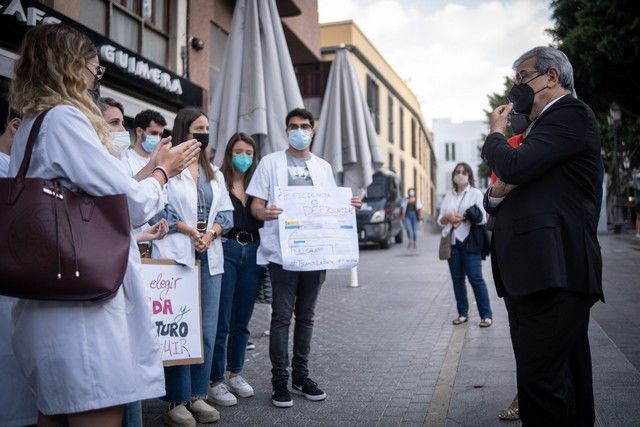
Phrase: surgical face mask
pixel 149 142
pixel 522 96
pixel 461 179
pixel 121 140
pixel 299 139
pixel 412 193
pixel 519 123
pixel 242 162
pixel 203 138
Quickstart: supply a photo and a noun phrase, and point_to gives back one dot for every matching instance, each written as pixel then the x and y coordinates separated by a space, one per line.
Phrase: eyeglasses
pixel 523 74
pixel 305 127
pixel 99 71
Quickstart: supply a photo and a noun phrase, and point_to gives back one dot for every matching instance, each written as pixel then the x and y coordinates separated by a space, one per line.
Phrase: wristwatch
pixel 213 232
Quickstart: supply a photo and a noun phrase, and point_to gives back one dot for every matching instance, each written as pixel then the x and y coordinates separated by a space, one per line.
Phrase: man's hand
pixel 500 189
pixel 356 202
pixel 500 118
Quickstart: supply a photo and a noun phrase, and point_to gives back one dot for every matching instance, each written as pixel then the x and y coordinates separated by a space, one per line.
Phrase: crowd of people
pixel 92 363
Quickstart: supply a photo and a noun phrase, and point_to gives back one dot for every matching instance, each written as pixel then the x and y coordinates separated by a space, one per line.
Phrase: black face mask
pixel 519 122
pixel 95 92
pixel 522 96
pixel 203 138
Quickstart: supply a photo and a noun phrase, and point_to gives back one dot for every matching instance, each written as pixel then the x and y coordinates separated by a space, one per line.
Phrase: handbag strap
pixel 31 142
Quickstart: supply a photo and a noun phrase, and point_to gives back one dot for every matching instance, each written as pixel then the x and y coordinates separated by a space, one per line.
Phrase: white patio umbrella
pixel 257 85
pixel 346 136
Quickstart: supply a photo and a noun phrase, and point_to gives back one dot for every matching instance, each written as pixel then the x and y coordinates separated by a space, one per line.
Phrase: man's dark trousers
pixel 293 292
pixel 553 359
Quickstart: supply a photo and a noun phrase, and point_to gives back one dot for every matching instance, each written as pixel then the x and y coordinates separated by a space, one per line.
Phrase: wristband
pixel 164 173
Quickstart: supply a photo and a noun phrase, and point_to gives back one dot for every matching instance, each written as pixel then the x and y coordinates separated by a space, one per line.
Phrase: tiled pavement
pixel 378 349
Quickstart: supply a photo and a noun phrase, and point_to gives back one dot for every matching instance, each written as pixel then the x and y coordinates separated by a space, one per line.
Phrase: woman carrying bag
pixel 241 278
pixel 462 215
pixel 82 359
pixel 200 200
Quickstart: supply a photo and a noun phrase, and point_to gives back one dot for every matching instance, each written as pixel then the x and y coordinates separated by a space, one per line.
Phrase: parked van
pixel 380 219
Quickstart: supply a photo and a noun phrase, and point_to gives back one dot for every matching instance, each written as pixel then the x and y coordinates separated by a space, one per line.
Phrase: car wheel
pixel 400 236
pixel 386 243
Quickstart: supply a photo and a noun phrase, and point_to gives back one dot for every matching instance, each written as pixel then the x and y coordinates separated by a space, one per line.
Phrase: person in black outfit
pixel 545 253
pixel 241 276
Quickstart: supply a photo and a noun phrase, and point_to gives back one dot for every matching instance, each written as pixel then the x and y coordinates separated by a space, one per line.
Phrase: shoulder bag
pixel 57 244
pixel 444 251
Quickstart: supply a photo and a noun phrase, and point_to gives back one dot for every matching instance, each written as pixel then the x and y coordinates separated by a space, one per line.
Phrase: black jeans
pixel 553 359
pixel 293 292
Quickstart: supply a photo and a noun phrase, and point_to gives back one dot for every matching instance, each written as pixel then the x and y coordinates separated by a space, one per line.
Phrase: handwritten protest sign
pixel 317 228
pixel 173 291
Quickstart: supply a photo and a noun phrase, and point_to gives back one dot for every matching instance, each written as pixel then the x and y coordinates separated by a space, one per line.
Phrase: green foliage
pixel 602 40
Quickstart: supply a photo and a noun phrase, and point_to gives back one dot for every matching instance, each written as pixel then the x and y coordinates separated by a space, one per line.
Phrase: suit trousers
pixel 553 359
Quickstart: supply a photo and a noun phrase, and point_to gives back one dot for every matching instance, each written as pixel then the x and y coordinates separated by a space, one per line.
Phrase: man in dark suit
pixel 545 252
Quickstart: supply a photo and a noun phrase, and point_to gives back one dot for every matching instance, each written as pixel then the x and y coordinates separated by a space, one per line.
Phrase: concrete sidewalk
pixel 386 353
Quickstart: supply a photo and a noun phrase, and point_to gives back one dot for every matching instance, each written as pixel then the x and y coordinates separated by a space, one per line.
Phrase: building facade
pixel 457 142
pixel 405 142
pixel 159 54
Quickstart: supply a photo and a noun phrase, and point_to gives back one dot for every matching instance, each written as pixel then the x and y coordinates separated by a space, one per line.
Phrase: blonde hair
pixel 49 73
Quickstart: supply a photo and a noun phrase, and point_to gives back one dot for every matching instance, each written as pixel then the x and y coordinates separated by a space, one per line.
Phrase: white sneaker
pixel 220 395
pixel 240 386
pixel 179 416
pixel 202 412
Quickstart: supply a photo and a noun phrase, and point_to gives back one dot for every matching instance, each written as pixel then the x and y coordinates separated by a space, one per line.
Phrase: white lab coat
pixel 182 195
pixel 79 356
pixel 16 400
pixel 272 172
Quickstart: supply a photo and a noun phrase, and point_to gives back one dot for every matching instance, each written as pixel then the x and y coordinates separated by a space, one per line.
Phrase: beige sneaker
pixel 179 416
pixel 203 413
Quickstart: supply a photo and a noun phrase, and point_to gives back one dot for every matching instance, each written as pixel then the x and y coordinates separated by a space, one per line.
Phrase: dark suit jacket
pixel 544 235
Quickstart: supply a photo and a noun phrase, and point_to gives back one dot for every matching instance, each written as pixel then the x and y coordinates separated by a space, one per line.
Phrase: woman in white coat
pixel 83 360
pixel 199 198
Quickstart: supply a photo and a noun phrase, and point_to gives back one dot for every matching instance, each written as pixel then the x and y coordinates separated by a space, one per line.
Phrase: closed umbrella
pixel 257 85
pixel 346 136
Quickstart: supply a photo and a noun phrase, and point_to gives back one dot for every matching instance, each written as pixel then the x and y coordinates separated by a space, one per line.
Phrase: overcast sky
pixel 452 53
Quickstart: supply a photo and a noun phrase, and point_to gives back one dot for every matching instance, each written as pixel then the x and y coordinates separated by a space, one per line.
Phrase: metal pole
pixel 354 278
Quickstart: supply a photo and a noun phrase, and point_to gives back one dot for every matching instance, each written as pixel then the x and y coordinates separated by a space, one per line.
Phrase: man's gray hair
pixel 546 58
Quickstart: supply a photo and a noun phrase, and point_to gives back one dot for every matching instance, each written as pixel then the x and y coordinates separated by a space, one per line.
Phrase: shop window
pixel 373 101
pixel 139 25
pixel 390 118
pixel 450 152
pixel 401 120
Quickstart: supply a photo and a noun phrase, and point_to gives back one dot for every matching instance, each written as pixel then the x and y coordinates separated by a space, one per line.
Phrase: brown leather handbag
pixel 57 244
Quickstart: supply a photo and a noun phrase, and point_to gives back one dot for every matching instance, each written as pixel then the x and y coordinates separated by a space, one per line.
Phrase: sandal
pixel 460 320
pixel 485 323
pixel 509 414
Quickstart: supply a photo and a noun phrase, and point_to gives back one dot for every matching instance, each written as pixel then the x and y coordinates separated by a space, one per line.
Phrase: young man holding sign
pixel 293 291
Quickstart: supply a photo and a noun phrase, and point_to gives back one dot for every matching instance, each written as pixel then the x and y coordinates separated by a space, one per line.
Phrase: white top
pixel 79 356
pixel 15 396
pixel 271 172
pixel 4 164
pixel 134 161
pixel 459 203
pixel 182 195
pixel 405 202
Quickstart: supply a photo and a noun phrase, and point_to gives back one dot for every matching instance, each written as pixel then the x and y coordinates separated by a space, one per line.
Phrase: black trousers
pixel 553 359
pixel 293 292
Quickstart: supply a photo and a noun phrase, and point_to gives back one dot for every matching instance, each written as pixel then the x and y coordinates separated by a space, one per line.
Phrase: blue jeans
pixel 464 263
pixel 132 416
pixel 240 283
pixel 192 381
pixel 410 220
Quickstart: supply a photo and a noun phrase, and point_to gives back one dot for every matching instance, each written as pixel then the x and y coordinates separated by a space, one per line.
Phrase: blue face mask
pixel 149 143
pixel 242 162
pixel 299 139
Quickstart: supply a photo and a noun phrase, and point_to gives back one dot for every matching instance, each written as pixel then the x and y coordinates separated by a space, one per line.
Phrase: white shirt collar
pixel 551 103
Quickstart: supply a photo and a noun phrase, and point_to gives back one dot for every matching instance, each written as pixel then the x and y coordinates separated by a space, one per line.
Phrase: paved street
pixel 387 354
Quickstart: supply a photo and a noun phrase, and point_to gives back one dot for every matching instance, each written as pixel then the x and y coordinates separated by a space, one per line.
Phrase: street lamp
pixel 615 116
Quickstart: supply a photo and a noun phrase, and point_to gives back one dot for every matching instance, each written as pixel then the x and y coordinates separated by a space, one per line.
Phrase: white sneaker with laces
pixel 240 386
pixel 220 395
